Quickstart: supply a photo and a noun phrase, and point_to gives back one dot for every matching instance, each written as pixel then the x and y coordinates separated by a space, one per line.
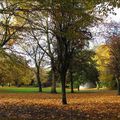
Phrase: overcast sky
pixel 115 17
pixel 97 30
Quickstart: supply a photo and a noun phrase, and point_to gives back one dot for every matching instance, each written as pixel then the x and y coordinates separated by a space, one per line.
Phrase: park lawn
pixel 18 89
pixel 45 90
pixel 27 90
pixel 81 106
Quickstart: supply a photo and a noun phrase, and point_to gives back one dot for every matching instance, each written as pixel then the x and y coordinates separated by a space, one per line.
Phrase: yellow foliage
pixel 103 59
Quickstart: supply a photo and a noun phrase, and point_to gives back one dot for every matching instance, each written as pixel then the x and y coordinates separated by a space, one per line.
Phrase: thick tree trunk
pixel 53 88
pixel 118 86
pixel 63 80
pixel 40 87
pixel 54 77
pixel 38 80
pixel 71 82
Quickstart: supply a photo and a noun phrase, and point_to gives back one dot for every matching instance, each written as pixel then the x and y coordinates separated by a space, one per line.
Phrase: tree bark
pixel 71 82
pixel 78 88
pixel 98 85
pixel 118 86
pixel 38 80
pixel 54 78
pixel 53 88
pixel 63 79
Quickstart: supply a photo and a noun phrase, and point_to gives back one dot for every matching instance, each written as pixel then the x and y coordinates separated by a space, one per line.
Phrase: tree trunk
pixel 118 86
pixel 9 84
pixel 54 77
pixel 16 83
pixel 78 88
pixel 71 81
pixel 98 85
pixel 40 87
pixel 63 80
pixel 38 80
pixel 2 85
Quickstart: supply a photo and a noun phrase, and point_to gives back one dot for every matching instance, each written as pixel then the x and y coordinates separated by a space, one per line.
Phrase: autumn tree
pixel 103 61
pixel 9 23
pixel 14 69
pixel 114 45
pixel 52 55
pixel 70 21
pixel 29 47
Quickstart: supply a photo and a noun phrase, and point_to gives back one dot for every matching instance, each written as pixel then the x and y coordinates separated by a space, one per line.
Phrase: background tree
pixel 9 25
pixel 67 31
pixel 14 70
pixel 30 47
pixel 103 61
pixel 84 68
pixel 70 21
pixel 114 45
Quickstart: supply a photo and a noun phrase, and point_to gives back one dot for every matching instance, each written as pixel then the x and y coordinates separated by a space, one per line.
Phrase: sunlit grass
pixel 27 90
pixel 45 90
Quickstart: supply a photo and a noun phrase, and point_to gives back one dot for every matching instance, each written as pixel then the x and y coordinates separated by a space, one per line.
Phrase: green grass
pixel 18 90
pixel 45 90
pixel 27 90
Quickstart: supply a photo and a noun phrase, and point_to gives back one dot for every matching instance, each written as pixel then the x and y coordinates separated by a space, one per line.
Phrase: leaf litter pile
pixel 82 106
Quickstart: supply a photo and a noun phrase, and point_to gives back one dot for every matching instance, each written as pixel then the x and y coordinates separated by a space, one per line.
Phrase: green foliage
pixel 84 68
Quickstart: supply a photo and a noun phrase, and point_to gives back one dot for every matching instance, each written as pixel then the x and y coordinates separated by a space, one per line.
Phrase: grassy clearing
pixel 27 90
pixel 45 90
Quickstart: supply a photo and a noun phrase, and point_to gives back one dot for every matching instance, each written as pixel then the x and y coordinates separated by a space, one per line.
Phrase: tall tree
pixel 67 18
pixel 70 20
pixel 103 61
pixel 114 45
pixel 84 68
pixel 28 45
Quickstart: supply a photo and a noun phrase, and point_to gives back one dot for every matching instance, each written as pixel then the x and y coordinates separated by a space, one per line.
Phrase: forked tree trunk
pixel 63 61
